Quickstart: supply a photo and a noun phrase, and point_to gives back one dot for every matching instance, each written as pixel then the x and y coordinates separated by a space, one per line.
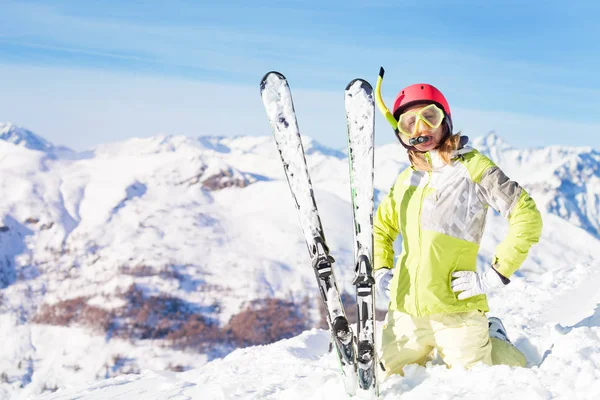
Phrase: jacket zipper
pixel 419 313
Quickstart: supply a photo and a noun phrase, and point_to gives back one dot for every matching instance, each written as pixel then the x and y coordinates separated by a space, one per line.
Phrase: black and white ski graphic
pixel 360 123
pixel 277 99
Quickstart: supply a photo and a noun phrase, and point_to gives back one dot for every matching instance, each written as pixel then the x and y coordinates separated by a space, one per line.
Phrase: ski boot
pixel 497 329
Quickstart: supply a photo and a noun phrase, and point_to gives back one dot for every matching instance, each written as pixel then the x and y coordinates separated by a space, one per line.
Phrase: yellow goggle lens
pixel 432 116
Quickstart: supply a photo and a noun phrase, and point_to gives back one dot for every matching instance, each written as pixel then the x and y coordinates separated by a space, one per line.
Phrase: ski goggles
pixel 431 116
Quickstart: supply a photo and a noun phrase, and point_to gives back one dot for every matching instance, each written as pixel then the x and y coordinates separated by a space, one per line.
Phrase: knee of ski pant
pixel 403 341
pixel 396 367
pixel 463 339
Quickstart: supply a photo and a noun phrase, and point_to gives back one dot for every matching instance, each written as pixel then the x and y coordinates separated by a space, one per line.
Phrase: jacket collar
pixel 433 156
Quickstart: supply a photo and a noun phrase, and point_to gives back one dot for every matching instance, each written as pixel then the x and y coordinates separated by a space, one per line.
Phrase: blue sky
pixel 81 73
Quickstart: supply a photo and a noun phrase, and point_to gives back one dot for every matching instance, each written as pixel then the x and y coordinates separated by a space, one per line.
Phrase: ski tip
pixel 263 81
pixel 364 84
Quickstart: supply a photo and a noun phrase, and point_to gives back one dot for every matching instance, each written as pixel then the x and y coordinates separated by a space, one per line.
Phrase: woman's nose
pixel 420 127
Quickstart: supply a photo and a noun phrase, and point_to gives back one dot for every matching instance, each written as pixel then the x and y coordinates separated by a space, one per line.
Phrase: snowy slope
pixel 209 224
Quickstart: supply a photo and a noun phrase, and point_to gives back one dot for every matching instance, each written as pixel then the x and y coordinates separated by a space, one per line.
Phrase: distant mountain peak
pixel 311 146
pixel 214 143
pixel 492 140
pixel 23 137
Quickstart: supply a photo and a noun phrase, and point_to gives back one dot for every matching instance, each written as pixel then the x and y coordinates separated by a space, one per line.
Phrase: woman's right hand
pixel 383 278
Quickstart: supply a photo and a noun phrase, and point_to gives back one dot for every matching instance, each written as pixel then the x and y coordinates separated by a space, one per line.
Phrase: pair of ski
pixel 357 356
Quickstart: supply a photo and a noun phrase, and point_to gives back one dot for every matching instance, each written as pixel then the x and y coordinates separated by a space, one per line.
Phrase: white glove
pixel 473 283
pixel 383 278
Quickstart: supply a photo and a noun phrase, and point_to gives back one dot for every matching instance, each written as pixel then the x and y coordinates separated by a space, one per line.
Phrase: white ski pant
pixel 462 339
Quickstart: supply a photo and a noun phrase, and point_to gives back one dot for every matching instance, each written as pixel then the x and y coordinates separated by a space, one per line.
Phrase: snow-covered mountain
pixel 158 253
pixel 563 180
pixel 23 137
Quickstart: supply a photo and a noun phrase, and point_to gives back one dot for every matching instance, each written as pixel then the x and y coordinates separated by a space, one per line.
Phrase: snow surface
pixel 211 209
pixel 302 368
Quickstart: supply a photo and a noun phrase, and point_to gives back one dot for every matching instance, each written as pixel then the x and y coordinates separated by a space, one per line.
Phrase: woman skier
pixel 437 298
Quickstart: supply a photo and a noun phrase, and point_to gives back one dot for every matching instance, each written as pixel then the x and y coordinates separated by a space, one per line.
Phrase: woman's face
pixel 435 135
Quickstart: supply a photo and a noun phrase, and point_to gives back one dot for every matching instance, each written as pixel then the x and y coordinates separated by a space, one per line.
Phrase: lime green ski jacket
pixel 441 216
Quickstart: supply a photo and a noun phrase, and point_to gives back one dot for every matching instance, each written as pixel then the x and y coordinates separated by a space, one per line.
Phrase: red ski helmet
pixel 422 93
